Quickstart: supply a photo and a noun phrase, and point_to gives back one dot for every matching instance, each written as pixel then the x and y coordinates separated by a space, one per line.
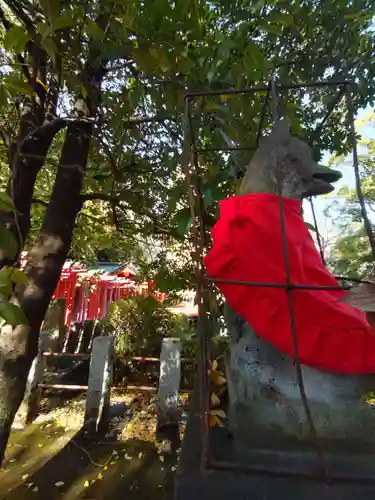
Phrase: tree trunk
pixel 19 346
pixel 26 158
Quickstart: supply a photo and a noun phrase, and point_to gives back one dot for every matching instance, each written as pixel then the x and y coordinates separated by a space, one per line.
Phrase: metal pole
pixel 289 292
pixel 361 198
pixel 318 238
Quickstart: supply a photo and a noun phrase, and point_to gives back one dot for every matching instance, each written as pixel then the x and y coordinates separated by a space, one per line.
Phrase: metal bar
pixel 286 473
pixel 65 386
pixel 361 198
pixel 202 327
pixel 252 90
pixel 187 160
pixel 330 108
pixel 150 360
pixel 204 384
pixel 143 388
pixel 284 286
pixel 130 358
pixel 348 278
pixel 137 120
pixel 228 148
pixel 199 208
pixel 262 115
pixel 293 329
pixel 317 230
pixel 67 355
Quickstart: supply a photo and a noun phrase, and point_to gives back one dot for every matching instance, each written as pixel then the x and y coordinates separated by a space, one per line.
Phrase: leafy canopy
pixel 135 204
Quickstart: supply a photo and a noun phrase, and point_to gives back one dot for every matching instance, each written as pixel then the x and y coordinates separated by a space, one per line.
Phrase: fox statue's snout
pixel 285 162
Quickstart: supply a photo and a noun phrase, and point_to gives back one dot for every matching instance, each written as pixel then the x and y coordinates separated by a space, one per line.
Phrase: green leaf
pixel 6 203
pixel 16 38
pixel 18 277
pixel 8 243
pixel 253 58
pixel 5 283
pixel 310 226
pixel 184 221
pixel 94 31
pixel 66 20
pixel 13 82
pixel 112 50
pixel 12 314
pixel 213 106
pixel 274 29
pixel 9 275
pixel 51 8
pixel 208 198
pixel 280 18
pixel 50 47
pixel 258 5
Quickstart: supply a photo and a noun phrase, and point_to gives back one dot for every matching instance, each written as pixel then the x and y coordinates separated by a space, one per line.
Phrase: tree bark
pixel 26 158
pixel 19 345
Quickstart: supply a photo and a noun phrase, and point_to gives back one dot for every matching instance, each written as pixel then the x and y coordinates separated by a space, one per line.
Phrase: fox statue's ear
pixel 281 132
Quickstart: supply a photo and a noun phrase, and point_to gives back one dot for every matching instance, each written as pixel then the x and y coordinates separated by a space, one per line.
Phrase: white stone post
pixel 99 386
pixel 169 381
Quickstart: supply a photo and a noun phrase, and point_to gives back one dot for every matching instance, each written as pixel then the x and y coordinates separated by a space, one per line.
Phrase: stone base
pixel 192 482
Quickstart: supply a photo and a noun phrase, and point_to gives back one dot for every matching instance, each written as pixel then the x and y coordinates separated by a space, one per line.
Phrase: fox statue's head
pixel 284 164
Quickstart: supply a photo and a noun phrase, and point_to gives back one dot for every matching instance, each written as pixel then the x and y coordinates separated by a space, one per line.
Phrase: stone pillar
pixel 169 382
pixel 31 403
pixel 52 336
pixel 100 380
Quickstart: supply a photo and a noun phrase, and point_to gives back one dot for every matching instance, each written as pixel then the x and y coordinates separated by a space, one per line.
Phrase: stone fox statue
pixel 336 344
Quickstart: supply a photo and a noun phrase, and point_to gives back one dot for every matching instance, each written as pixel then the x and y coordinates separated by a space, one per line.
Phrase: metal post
pixel 361 198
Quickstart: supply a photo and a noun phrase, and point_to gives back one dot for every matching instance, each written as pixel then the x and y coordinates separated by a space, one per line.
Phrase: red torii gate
pixel 88 296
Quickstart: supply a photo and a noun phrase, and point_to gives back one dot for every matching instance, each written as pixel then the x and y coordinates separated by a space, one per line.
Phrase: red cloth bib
pixel 247 246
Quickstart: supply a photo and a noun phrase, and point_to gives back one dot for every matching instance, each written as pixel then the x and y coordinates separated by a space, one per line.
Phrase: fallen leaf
pixel 215 401
pixel 214 420
pixel 217 378
pixel 218 413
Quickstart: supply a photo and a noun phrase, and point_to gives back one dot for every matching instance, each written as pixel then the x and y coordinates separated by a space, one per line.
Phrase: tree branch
pixel 37 201
pixel 101 196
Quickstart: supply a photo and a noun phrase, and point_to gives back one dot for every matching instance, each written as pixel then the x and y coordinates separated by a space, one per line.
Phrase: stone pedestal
pixel 193 482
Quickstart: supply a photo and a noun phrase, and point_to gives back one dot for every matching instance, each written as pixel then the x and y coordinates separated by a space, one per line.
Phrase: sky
pixel 346 168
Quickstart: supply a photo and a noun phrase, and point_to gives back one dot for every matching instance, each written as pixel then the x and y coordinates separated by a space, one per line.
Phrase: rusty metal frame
pixel 203 283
